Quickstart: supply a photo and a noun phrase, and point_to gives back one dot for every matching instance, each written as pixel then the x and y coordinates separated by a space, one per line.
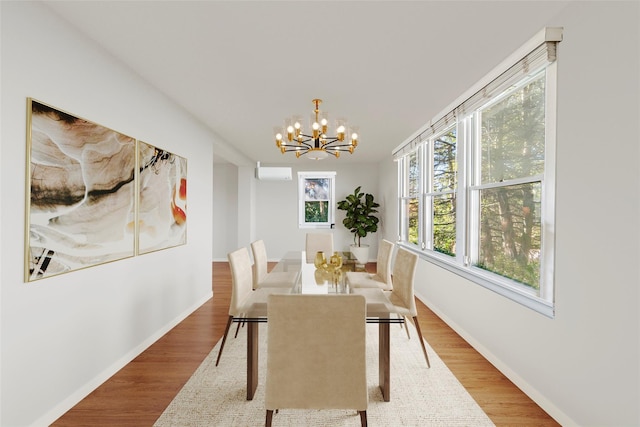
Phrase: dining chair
pixel 402 296
pixel 261 277
pixel 241 288
pixel 318 242
pixel 382 277
pixel 316 353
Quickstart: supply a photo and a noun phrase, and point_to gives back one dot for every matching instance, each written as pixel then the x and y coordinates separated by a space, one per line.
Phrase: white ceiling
pixel 241 67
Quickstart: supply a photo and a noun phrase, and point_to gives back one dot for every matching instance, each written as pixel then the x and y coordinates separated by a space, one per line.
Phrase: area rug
pixel 420 396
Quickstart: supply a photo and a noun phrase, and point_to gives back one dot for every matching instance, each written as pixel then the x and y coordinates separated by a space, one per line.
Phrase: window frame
pixel 429 193
pixel 302 178
pixel 468 193
pixel 404 190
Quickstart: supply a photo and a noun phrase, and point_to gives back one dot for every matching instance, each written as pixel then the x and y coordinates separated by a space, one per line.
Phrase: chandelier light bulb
pixel 324 122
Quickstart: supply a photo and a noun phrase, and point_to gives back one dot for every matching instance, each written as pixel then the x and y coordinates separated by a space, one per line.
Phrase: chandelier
pixel 315 143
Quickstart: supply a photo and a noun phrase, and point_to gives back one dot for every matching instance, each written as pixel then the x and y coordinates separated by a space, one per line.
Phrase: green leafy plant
pixel 360 219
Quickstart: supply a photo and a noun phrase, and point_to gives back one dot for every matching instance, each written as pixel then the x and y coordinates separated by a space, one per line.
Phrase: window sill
pixel 488 281
pixel 316 226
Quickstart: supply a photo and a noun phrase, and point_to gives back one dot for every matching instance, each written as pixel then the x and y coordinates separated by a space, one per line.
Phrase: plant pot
pixel 361 253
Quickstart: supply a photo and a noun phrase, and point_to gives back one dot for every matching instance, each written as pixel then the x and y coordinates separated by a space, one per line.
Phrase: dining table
pixel 313 280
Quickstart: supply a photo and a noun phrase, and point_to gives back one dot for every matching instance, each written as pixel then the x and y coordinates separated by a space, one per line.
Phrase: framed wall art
pixel 162 199
pixel 80 199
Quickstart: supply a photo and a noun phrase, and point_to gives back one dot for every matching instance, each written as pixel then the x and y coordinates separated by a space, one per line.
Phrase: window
pixel 507 183
pixel 317 205
pixel 410 178
pixel 477 184
pixel 441 192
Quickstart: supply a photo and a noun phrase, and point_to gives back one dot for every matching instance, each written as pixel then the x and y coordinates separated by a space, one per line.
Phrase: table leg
pixel 384 360
pixel 252 359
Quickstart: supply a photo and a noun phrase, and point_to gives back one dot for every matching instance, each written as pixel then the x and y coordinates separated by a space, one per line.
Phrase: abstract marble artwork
pixel 81 193
pixel 162 212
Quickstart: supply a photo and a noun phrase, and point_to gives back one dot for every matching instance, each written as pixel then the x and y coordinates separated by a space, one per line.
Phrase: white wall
pixel 276 207
pixel 225 210
pixel 388 189
pixel 583 366
pixel 63 336
pixel 268 210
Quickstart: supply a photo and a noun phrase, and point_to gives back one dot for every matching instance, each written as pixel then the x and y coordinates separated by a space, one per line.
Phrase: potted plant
pixel 360 220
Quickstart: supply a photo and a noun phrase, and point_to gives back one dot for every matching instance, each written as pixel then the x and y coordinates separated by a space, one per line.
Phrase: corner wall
pixel 63 336
pixel 583 366
pixel 225 210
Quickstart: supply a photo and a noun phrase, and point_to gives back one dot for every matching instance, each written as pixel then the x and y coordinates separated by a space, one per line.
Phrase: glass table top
pixel 317 281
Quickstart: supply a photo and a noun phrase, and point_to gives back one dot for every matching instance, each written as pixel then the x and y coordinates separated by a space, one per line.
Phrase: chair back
pixel 241 279
pixel 404 272
pixel 316 354
pixel 318 242
pixel 259 262
pixel 383 262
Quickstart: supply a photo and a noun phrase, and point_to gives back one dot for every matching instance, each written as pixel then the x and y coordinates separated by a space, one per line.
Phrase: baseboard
pixel 81 393
pixel 523 385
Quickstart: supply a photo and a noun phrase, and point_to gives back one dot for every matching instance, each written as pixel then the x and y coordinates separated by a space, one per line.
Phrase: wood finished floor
pixel 138 394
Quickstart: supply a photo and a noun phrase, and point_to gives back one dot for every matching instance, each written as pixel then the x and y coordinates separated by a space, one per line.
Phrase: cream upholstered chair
pixel 318 242
pixel 382 278
pixel 316 354
pixel 241 288
pixel 402 296
pixel 261 277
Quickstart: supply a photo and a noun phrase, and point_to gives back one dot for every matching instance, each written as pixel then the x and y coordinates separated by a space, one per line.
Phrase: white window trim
pixel 301 200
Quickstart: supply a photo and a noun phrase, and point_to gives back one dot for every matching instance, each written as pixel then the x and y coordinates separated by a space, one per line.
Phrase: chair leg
pixel 238 328
pixel 267 423
pixel 224 338
pixel 403 324
pixel 363 418
pixel 424 348
pixel 406 326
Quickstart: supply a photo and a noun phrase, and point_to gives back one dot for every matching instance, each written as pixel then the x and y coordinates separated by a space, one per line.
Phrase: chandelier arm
pixel 306 141
pixel 296 143
pixel 337 146
pixel 289 148
pixel 328 152
pixel 329 141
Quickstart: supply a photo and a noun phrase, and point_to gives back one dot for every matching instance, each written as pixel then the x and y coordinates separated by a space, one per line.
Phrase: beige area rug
pixel 216 396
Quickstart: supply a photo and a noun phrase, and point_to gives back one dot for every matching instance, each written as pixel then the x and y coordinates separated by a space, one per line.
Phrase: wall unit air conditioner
pixel 273 174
